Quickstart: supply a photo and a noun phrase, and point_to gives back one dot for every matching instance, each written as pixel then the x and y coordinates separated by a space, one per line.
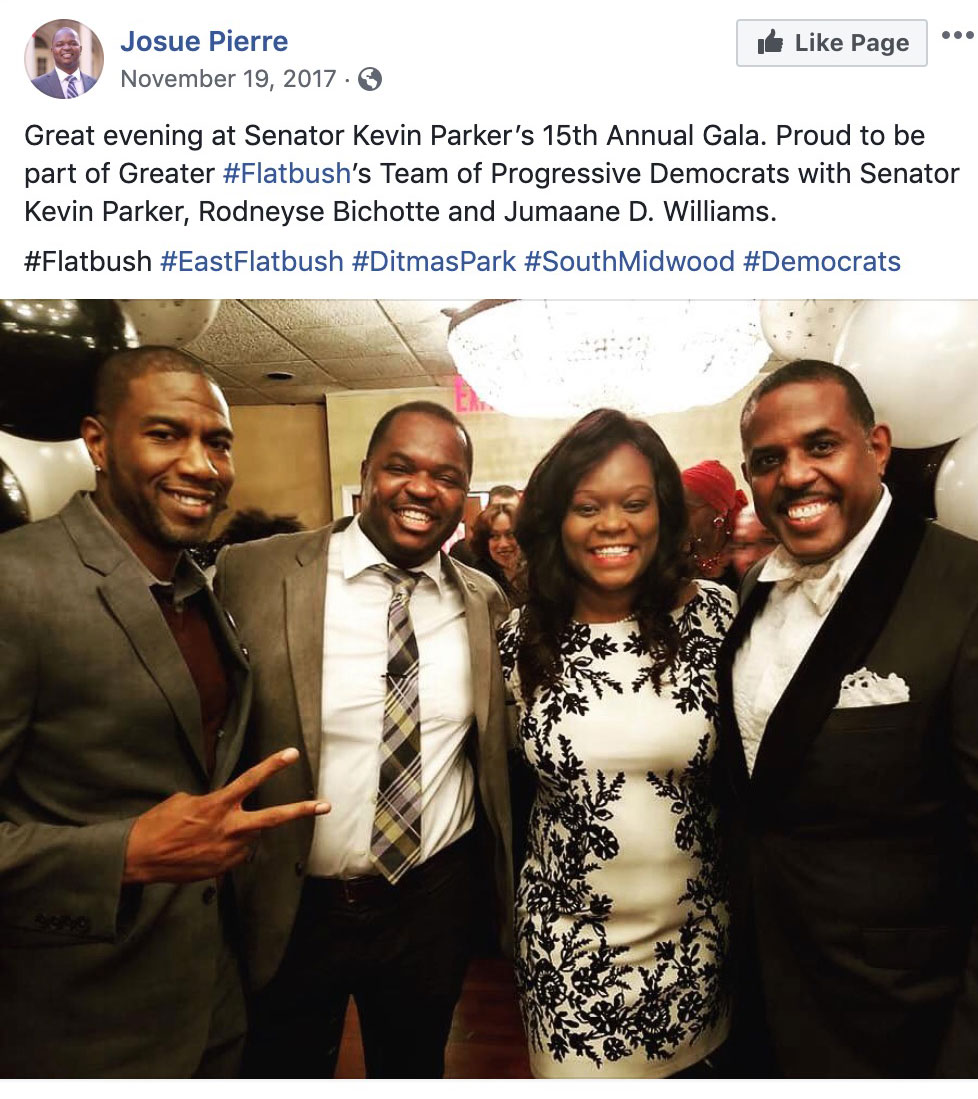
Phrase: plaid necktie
pixel 395 843
pixel 71 90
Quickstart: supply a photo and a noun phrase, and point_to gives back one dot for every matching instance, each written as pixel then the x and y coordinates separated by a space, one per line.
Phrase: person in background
pixel 498 494
pixel 496 551
pixel 621 914
pixel 713 502
pixel 750 541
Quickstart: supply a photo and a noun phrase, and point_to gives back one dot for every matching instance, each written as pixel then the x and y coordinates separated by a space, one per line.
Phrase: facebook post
pixel 488 625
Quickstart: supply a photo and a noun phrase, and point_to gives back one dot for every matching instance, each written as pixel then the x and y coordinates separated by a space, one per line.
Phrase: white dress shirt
pixel 63 77
pixel 354 691
pixel 783 631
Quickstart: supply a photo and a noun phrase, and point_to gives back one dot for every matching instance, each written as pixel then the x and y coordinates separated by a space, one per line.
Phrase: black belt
pixel 375 889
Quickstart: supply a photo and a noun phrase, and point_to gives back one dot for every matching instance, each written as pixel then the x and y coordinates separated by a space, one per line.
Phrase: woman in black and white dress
pixel 621 918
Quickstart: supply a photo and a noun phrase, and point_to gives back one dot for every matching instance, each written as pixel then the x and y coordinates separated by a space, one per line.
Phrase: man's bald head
pixel 66 47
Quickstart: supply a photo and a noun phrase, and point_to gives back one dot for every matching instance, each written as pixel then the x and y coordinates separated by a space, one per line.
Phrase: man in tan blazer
pixel 123 701
pixel 356 909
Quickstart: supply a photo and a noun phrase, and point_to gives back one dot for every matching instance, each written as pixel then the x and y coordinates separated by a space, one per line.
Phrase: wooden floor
pixel 487 1035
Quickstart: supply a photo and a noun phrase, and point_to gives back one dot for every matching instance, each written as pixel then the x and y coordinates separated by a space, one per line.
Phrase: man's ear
pixel 363 473
pixel 881 444
pixel 95 437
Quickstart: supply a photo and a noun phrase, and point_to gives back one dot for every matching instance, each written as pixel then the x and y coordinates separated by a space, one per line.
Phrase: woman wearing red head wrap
pixel 713 502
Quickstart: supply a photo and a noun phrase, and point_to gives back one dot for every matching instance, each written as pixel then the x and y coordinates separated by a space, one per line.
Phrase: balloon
pixel 911 475
pixel 48 354
pixel 13 502
pixel 918 362
pixel 170 323
pixel 808 329
pixel 956 491
pixel 49 473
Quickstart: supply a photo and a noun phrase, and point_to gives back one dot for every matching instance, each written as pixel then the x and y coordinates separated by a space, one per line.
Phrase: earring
pixel 98 468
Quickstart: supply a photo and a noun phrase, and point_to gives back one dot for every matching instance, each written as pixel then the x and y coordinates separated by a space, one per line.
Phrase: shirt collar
pixel 360 554
pixel 63 76
pixel 187 578
pixel 844 563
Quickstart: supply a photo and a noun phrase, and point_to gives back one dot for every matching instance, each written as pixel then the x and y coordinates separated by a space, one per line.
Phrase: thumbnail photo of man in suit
pixel 65 80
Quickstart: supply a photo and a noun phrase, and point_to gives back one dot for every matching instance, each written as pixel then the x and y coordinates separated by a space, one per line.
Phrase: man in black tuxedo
pixel 849 752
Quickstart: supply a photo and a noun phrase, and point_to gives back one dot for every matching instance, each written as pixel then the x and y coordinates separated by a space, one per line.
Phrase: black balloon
pixel 911 475
pixel 13 502
pixel 48 354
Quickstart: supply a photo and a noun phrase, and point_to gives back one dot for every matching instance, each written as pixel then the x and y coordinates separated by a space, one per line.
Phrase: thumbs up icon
pixel 770 44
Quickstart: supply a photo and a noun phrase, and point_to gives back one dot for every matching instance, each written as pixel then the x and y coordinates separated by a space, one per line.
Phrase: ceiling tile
pixel 375 366
pixel 303 371
pixel 286 315
pixel 238 335
pixel 350 341
pixel 430 336
pixel 437 362
pixel 417 312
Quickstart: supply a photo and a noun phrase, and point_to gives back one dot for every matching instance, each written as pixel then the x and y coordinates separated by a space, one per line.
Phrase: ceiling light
pixel 564 358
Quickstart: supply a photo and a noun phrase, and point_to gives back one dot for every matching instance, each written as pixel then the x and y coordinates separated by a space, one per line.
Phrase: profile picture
pixel 64 59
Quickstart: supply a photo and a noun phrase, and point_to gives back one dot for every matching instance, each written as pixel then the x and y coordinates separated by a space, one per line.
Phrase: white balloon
pixel 956 487
pixel 805 329
pixel 169 322
pixel 918 362
pixel 49 473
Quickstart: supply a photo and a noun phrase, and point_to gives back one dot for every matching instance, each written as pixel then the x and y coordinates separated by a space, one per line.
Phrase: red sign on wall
pixel 466 399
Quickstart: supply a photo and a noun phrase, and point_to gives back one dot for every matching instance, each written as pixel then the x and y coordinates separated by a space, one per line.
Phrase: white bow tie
pixel 821 582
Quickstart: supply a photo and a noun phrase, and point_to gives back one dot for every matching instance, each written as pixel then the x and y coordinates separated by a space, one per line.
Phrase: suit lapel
pixel 479 631
pixel 240 672
pixel 841 646
pixel 130 602
pixel 134 608
pixel 754 596
pixel 305 600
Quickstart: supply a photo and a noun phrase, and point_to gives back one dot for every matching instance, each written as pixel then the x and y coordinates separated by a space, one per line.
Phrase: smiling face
pixel 502 543
pixel 165 453
pixel 610 533
pixel 414 485
pixel 814 470
pixel 66 49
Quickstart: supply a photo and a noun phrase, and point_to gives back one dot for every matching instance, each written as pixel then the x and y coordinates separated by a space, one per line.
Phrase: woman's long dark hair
pixel 553 585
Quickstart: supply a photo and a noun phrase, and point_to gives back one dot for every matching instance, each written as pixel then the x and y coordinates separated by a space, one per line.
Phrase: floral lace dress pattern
pixel 621 920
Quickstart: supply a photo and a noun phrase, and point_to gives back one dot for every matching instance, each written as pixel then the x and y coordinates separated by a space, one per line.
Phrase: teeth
pixel 189 501
pixel 415 516
pixel 612 551
pixel 807 511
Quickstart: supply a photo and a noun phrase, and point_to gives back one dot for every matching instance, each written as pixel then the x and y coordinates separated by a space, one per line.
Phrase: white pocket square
pixel 866 688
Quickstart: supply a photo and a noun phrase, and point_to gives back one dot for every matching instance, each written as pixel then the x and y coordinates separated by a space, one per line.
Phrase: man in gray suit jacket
pixel 381 905
pixel 66 80
pixel 123 700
